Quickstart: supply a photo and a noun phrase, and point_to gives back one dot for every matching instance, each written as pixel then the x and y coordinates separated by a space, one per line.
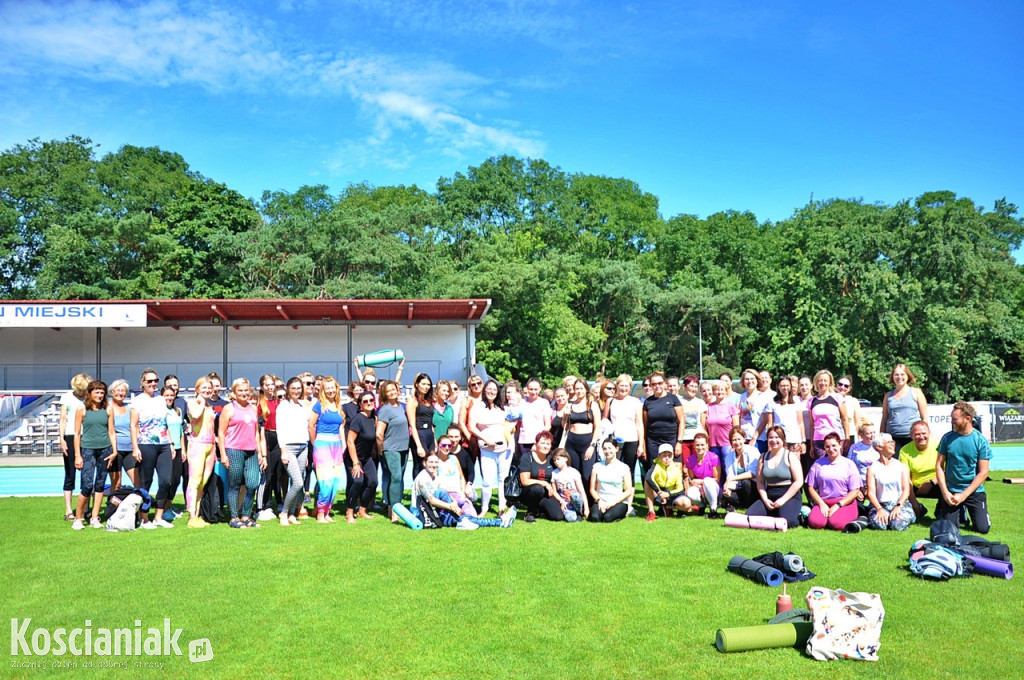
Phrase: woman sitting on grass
pixel 889 488
pixel 740 467
pixel 780 480
pixel 833 484
pixel 611 486
pixel 452 514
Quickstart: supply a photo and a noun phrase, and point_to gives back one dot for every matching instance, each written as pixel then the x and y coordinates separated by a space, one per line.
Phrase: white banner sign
pixel 78 314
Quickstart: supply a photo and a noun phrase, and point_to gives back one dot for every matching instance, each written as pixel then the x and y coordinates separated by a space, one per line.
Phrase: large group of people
pixel 796 448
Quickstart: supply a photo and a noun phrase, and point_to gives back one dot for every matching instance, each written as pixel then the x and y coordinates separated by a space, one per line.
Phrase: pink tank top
pixel 241 429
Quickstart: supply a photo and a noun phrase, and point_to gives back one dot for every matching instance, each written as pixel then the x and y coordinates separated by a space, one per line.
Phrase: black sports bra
pixel 578 417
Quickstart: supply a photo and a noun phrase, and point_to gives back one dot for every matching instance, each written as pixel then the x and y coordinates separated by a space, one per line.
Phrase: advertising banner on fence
pixel 72 314
pixel 1008 425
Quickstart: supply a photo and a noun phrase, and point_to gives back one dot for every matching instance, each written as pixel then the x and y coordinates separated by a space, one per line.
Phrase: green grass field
pixel 628 600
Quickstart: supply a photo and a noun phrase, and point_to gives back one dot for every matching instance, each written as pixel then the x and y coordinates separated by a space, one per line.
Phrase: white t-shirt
pixel 623 414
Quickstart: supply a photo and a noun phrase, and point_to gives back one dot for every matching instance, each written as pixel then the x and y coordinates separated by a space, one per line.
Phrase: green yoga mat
pixel 763 637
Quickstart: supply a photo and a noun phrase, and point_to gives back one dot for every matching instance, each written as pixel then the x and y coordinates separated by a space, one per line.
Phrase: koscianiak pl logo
pixel 129 647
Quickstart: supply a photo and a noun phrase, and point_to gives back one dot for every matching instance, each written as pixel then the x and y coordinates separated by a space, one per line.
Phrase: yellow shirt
pixel 921 463
pixel 669 478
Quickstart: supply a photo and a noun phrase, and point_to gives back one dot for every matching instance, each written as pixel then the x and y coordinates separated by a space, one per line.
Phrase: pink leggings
pixel 837 521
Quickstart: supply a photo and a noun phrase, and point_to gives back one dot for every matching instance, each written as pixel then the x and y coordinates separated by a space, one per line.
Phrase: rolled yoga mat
pixel 741 521
pixel 763 637
pixel 756 572
pixel 403 513
pixel 381 357
pixel 991 567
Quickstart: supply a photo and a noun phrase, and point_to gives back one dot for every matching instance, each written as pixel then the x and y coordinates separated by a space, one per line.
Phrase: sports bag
pixel 513 486
pixel 937 562
pixel 845 625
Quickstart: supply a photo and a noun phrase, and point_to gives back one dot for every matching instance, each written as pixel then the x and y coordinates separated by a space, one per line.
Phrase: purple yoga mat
pixel 991 567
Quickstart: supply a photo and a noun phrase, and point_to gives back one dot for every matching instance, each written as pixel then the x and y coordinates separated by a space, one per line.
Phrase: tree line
pixel 585 274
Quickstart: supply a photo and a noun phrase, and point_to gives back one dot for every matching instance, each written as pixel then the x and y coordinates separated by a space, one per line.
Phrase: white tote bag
pixel 846 625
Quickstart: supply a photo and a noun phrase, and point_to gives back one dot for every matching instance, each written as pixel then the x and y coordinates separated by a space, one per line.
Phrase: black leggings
pixel 178 471
pixel 274 477
pixel 790 510
pixel 69 463
pixel 743 496
pixel 156 457
pixel 359 493
pixel 612 514
pixel 465 458
pixel 577 445
pixel 537 501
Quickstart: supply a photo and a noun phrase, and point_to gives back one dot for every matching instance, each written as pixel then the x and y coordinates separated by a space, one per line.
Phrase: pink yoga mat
pixel 741 521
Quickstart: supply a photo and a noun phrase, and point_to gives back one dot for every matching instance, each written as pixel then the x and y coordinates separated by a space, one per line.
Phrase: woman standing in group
pixel 723 415
pixel 902 406
pixel 535 474
pixel 444 413
pixel 627 418
pixel 176 434
pixel 419 410
pixel 151 443
pixel 582 422
pixel 487 426
pixel 787 412
pixel 274 478
pixel 607 391
pixel 611 486
pixel 93 451
pixel 393 444
pixel 695 410
pixel 664 421
pixel 828 416
pixel 350 408
pixel 754 410
pixel 70 403
pixel 360 463
pixel 241 440
pixel 120 414
pixel 293 415
pixel 844 387
pixel 832 486
pixel 326 423
pixel 558 412
pixel 202 445
pixel 474 390
pixel 779 481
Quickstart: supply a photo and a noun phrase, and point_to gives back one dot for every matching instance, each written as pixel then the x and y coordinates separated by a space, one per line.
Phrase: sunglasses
pixel 444 446
pixel 367 401
pixel 845 386
pixel 154 381
pixel 475 384
pixel 370 382
pixel 309 384
pixel 646 385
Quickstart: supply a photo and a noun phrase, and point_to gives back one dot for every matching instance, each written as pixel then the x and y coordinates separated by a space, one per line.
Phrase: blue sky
pixel 709 105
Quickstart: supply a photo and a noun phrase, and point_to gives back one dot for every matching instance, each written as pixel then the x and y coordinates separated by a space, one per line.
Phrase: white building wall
pixel 44 358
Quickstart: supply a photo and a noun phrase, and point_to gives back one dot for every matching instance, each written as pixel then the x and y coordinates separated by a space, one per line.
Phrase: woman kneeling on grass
pixel 426 486
pixel 611 486
pixel 780 480
pixel 702 471
pixel 833 484
pixel 241 440
pixel 889 488
pixel 536 474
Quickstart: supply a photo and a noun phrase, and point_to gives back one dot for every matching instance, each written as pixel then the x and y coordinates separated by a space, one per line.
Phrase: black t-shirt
pixel 365 428
pixel 539 471
pixel 662 423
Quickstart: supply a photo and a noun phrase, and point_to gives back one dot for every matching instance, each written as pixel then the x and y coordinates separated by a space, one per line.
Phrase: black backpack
pixel 211 507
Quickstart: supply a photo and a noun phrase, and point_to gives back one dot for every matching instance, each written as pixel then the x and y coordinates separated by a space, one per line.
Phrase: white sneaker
pixel 96 523
pixel 266 515
pixel 509 517
pixel 78 525
pixel 464 523
pixel 162 523
pixel 147 525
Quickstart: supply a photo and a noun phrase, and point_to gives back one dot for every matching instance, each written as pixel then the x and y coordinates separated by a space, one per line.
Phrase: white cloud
pixel 170 44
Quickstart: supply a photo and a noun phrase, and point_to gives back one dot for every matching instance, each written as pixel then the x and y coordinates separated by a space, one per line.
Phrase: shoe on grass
pixel 266 514
pixel 466 524
pixel 96 523
pixel 162 523
pixel 147 525
pixel 77 525
pixel 508 517
pixel 651 516
pixel 529 519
